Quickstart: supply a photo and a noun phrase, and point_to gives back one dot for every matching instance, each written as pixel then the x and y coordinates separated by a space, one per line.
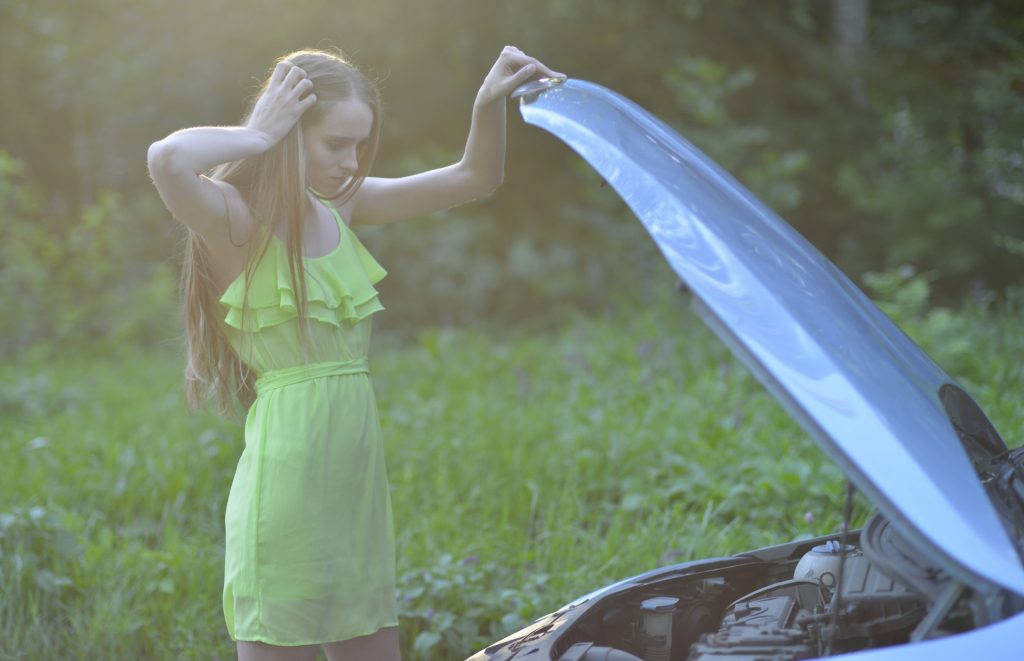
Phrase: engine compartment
pixel 825 600
pixel 805 618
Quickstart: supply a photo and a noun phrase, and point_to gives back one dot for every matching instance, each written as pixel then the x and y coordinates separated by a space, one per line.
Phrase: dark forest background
pixel 891 134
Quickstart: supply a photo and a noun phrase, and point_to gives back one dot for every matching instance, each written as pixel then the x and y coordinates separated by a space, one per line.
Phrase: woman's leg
pixel 253 651
pixel 379 646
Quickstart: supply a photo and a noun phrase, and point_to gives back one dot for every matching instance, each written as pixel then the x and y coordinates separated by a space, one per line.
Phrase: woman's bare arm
pixel 477 174
pixel 177 162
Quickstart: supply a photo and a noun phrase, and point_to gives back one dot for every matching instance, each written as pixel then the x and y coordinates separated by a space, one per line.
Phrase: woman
pixel 278 294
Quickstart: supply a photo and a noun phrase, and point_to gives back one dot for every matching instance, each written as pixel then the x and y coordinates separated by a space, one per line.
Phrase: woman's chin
pixel 329 189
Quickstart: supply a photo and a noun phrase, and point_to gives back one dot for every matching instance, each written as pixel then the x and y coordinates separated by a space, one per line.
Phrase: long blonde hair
pixel 273 185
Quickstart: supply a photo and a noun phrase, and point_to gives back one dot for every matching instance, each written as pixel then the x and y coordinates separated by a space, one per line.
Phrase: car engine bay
pixel 790 610
pixel 843 593
pixel 829 599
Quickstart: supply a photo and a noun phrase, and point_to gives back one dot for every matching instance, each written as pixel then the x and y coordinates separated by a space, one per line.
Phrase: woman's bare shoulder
pixel 229 241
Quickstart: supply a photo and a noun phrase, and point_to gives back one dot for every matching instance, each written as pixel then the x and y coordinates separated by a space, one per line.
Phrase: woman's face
pixel 332 144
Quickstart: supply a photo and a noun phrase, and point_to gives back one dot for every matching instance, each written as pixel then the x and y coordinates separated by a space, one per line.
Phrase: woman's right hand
pixel 287 96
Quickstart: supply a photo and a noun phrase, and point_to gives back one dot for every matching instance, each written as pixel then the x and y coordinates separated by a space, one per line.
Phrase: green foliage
pixel 38 550
pixel 904 295
pixel 81 282
pixel 451 604
pixel 906 151
pixel 527 468
pixel 40 558
pixel 456 269
pixel 113 493
pixel 901 293
pixel 939 182
pixel 704 91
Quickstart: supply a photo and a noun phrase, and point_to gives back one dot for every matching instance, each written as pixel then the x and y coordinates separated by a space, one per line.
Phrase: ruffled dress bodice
pixel 264 330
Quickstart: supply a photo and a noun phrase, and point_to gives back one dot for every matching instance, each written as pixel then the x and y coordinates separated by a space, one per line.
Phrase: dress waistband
pixel 285 377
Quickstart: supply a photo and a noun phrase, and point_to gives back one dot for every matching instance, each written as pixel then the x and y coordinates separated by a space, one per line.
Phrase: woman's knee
pixel 382 645
pixel 256 651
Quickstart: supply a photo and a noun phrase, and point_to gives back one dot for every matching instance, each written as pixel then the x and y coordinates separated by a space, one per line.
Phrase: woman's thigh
pixel 253 651
pixel 380 646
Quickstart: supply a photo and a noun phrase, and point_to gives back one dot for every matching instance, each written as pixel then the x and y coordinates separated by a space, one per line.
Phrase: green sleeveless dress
pixel 309 552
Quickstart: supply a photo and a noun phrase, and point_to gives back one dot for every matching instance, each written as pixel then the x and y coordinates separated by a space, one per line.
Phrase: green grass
pixel 527 468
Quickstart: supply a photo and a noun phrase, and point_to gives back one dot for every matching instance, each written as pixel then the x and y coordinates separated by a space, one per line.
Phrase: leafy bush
pixel 462 266
pixel 78 281
pixel 447 607
pixel 904 295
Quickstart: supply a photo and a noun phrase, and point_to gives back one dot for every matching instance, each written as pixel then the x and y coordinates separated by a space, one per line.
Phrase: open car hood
pixel 877 404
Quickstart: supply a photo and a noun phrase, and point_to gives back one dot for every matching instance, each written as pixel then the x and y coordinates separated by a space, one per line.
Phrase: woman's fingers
pixel 512 68
pixel 302 87
pixel 542 69
pixel 280 71
pixel 277 75
pixel 522 75
pixel 517 59
pixel 546 72
pixel 294 76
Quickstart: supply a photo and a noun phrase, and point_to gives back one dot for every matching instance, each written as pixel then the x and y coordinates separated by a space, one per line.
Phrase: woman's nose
pixel 349 160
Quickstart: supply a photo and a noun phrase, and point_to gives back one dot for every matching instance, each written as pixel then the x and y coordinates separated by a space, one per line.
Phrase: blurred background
pixel 554 417
pixel 889 133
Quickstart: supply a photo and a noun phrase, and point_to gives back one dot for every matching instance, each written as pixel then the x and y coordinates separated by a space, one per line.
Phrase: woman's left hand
pixel 513 68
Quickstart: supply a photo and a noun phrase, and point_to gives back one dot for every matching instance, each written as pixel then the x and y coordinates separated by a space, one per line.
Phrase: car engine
pixel 829 599
pixel 809 617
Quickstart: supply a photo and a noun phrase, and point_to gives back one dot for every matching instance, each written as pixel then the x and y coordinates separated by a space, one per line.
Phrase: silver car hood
pixel 866 392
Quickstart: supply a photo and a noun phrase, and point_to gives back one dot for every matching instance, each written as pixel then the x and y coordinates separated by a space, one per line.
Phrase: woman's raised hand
pixel 287 96
pixel 513 68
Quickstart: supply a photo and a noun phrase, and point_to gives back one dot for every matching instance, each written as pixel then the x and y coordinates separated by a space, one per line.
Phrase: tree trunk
pixel 850 24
